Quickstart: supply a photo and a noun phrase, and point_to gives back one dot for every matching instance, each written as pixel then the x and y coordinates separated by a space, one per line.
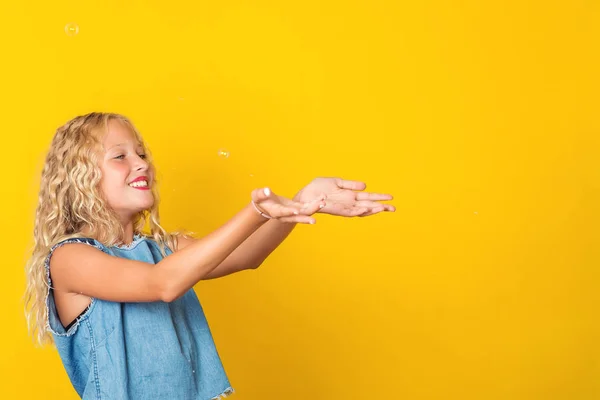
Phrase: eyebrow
pixel 121 144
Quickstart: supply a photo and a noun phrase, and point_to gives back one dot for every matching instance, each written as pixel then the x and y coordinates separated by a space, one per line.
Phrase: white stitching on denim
pixel 94 357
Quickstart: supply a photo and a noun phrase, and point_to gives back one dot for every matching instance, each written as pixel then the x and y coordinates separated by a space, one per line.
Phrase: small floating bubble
pixel 223 153
pixel 71 29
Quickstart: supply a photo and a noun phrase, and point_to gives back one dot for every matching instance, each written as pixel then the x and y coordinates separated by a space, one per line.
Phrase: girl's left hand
pixel 342 198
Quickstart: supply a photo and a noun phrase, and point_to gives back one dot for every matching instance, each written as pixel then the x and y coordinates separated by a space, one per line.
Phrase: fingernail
pixel 322 205
pixel 295 212
pixel 267 191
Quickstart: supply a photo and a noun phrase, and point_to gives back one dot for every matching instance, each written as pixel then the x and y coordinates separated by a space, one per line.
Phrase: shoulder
pixel 82 242
pixel 75 247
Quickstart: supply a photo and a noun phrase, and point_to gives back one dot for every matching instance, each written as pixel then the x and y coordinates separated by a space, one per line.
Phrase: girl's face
pixel 122 163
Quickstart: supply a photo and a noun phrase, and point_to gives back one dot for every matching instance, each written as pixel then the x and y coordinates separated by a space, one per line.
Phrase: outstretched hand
pixel 284 209
pixel 344 197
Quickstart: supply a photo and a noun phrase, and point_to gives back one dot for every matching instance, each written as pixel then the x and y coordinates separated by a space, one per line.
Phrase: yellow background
pixel 479 117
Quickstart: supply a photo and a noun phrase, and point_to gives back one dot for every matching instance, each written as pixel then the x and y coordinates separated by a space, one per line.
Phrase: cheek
pixel 117 174
pixel 113 179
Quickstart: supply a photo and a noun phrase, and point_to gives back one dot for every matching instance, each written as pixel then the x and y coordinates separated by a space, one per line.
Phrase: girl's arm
pixel 252 252
pixel 83 269
pixel 345 198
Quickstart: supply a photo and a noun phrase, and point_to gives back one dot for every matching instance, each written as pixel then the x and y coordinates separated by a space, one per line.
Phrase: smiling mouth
pixel 142 185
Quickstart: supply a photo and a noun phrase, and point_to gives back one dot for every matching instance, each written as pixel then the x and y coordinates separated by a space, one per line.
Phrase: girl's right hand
pixel 284 209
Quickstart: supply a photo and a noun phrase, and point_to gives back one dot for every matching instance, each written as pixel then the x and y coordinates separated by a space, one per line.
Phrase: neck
pixel 127 232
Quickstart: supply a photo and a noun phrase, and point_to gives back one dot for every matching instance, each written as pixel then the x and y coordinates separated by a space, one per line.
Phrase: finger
pixel 377 210
pixel 383 207
pixel 261 194
pixel 368 203
pixel 278 211
pixel 351 185
pixel 373 204
pixel 373 196
pixel 362 210
pixel 371 211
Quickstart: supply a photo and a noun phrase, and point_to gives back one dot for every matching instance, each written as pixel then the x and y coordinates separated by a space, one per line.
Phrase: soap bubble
pixel 71 29
pixel 223 153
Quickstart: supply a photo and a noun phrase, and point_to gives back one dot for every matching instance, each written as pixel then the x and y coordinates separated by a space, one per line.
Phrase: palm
pixel 344 197
pixel 283 209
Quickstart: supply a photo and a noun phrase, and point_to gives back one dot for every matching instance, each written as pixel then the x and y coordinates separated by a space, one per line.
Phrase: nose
pixel 140 164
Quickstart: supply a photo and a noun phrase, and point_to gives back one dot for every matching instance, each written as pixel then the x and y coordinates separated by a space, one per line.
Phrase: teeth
pixel 139 184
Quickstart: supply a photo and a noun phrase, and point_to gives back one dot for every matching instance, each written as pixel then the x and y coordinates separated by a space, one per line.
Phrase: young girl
pixel 119 303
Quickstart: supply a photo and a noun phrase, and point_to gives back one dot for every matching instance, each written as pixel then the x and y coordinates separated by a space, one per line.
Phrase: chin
pixel 147 206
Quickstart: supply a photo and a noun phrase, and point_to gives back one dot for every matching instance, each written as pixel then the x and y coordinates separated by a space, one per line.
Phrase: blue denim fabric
pixel 147 351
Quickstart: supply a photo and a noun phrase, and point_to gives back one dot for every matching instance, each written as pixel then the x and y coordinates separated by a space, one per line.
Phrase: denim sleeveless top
pixel 150 350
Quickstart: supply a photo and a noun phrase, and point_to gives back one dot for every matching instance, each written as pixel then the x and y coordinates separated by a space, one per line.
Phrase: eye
pixel 142 156
pixel 120 157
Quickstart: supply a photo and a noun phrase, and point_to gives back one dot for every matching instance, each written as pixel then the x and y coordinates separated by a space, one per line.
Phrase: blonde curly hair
pixel 70 200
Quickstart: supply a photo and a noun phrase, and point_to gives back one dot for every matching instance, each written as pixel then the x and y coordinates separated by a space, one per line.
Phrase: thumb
pixel 262 194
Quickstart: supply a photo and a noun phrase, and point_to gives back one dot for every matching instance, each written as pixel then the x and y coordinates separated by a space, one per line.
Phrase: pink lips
pixel 141 178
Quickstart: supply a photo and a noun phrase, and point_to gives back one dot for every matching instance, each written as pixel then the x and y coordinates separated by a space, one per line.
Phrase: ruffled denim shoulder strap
pixel 53 323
